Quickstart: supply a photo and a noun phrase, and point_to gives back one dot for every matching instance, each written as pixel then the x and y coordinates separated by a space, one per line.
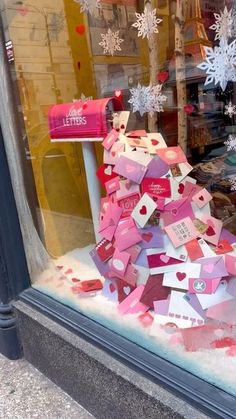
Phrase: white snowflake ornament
pixel 223 24
pixel 140 99
pixel 156 99
pixel 147 99
pixel 220 63
pixel 111 42
pixel 147 23
pixel 231 143
pixel 230 109
pixel 89 5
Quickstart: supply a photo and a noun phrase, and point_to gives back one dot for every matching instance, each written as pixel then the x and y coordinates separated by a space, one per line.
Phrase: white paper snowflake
pixel 230 109
pixel 156 99
pixel 231 143
pixel 147 23
pixel 89 5
pixel 111 42
pixel 220 64
pixel 233 184
pixel 147 99
pixel 140 98
pixel 223 24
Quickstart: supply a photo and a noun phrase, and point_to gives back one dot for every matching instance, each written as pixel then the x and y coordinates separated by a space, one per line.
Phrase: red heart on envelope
pixel 181 188
pixel 154 142
pixel 80 29
pixel 181 276
pixel 143 210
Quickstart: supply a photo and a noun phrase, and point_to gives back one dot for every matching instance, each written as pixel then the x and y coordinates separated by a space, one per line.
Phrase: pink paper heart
pixel 209 268
pixel 126 290
pixel 164 258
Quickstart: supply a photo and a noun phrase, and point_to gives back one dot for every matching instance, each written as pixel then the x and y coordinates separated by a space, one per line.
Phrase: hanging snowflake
pixel 147 23
pixel 223 24
pixel 220 63
pixel 230 109
pixel 231 143
pixel 233 184
pixel 147 99
pixel 88 5
pixel 140 99
pixel 156 99
pixel 110 42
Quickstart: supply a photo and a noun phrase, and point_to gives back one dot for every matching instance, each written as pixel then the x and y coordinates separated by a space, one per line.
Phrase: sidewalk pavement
pixel 25 393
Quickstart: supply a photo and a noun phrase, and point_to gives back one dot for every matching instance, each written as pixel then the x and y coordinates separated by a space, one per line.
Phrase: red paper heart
pixel 80 29
pixel 181 276
pixel 143 210
pixel 122 126
pixel 162 76
pixel 188 109
pixel 210 231
pixel 201 198
pixel 147 237
pixel 181 188
pixel 174 211
pixel 154 142
pixel 112 288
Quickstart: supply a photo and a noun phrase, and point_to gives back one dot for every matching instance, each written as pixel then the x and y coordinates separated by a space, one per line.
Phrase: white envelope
pixel 208 300
pixel 201 211
pixel 152 147
pixel 179 253
pixel 206 249
pixel 180 277
pixel 175 184
pixel 179 308
pixel 138 156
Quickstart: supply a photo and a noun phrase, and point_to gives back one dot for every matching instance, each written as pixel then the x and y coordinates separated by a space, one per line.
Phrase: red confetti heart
pixel 181 276
pixel 181 188
pixel 147 237
pixel 201 198
pixel 163 76
pixel 80 29
pixel 143 210
pixel 188 109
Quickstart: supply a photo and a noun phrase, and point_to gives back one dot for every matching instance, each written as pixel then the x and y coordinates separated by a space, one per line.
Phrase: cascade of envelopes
pixel 163 256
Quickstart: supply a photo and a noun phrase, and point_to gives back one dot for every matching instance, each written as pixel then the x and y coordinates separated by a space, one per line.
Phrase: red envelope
pixel 105 173
pixel 194 250
pixel 154 290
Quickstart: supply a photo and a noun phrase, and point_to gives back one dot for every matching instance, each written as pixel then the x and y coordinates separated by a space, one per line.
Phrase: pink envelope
pixel 130 276
pixel 230 263
pixel 202 198
pixel 203 286
pixel 190 189
pixel 171 155
pixel 127 235
pixel 111 156
pixel 224 312
pixel 212 267
pixel 132 303
pixel 112 185
pixel 109 221
pixel 130 169
pixel 120 262
pixel 110 139
pixel 176 211
pixel 181 232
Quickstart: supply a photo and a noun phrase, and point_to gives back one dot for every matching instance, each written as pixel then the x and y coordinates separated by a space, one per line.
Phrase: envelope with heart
pixel 203 286
pixel 230 262
pixel 172 155
pixel 212 267
pixel 105 173
pixel 143 210
pixel 154 290
pixel 130 276
pixel 190 189
pixel 176 211
pixel 177 187
pixel 130 169
pixel 132 303
pixel 160 262
pixel 221 295
pixel 111 156
pixel 151 237
pixel 127 235
pixel 116 289
pixel 213 231
pixel 109 221
pixel 154 142
pixel 202 197
pixel 179 278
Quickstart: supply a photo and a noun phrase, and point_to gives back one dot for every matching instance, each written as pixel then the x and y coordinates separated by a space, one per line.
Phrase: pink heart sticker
pixel 164 258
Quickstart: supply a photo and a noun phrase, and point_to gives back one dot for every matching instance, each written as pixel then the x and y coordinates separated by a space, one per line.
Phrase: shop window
pixel 106 243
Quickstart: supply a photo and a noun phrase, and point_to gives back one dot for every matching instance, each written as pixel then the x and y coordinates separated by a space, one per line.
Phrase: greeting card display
pixel 162 254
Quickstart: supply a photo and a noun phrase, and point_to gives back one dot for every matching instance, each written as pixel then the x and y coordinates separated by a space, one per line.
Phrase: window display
pixel 129 126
